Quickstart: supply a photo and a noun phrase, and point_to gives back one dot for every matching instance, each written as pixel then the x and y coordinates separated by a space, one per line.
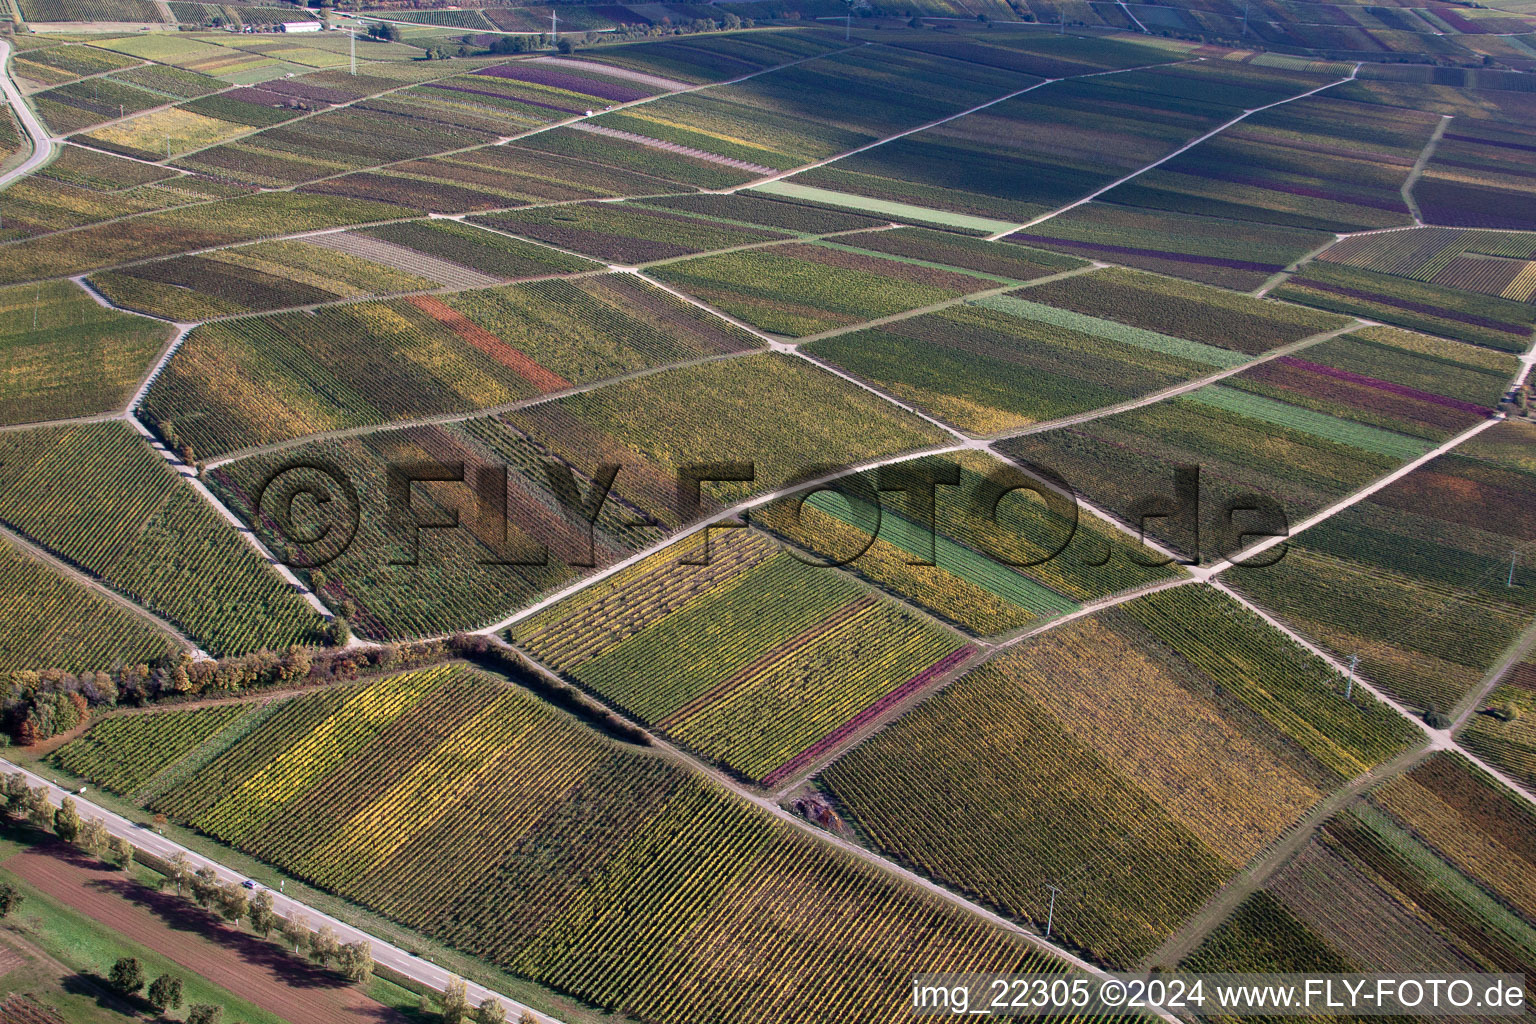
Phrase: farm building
pixel 300 26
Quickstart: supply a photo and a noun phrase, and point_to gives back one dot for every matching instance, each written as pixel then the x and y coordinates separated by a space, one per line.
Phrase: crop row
pixel 1319 163
pixel 1044 149
pixel 621 233
pixel 989 575
pixel 122 754
pixel 58 623
pixel 797 290
pixel 485 251
pixel 1482 320
pixel 749 662
pixel 1228 253
pixel 128 519
pixel 547 851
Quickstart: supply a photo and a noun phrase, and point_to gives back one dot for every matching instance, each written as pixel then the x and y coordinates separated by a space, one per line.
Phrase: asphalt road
pixel 384 954
pixel 42 142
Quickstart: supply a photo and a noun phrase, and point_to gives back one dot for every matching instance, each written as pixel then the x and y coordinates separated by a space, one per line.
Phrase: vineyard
pixel 1390 380
pixel 1211 316
pixel 126 518
pixel 1492 263
pixel 816 109
pixel 1228 253
pixel 1501 732
pixel 738 410
pixel 756 660
pixel 797 290
pixel 67 356
pixel 66 625
pixel 240 383
pixel 1479 177
pixel 757 211
pixel 1130 762
pixel 965 364
pixel 1398 881
pixel 1041 150
pixel 1300 461
pixel 565 859
pixel 1320 163
pixel 1432 308
pixel 621 233
pixel 987 576
pixel 123 753
pixel 1417 580
pixel 244 218
pixel 679 470
pixel 249 279
pixel 485 251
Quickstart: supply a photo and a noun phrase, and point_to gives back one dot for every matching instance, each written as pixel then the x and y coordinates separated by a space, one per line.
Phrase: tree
pixel 455 1002
pixel 205 1013
pixel 231 902
pixel 491 1012
pixel 338 632
pixel 165 993
pixel 127 976
pixel 122 851
pixel 323 947
pixel 564 46
pixel 261 914
pixel 93 837
pixel 355 961
pixel 16 793
pixel 296 933
pixel 39 810
pixel 527 1018
pixel 205 887
pixel 10 899
pixel 66 820
pixel 179 871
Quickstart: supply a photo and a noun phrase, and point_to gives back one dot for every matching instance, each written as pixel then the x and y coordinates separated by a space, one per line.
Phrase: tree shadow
pixel 94 986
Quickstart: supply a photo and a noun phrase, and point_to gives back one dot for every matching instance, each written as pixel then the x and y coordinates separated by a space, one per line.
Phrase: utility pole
pixel 1050 914
pixel 352 35
pixel 1245 21
pixel 554 31
pixel 1511 581
pixel 1061 20
pixel 847 26
pixel 1349 682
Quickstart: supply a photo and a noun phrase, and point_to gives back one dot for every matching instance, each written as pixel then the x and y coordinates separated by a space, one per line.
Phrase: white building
pixel 299 26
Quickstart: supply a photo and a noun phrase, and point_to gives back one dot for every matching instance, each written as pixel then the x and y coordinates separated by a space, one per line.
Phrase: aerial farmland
pixel 775 512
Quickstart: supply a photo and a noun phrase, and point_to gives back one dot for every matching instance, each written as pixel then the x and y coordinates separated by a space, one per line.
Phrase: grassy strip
pixel 1110 330
pixel 900 211
pixel 1358 435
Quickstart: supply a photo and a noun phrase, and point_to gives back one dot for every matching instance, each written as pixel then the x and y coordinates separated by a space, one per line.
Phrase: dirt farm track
pixel 249 967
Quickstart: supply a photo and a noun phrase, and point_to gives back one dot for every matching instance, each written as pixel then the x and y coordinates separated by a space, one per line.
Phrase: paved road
pixel 42 142
pixel 392 957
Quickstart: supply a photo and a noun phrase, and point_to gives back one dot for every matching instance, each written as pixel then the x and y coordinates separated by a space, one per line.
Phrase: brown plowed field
pixel 249 967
